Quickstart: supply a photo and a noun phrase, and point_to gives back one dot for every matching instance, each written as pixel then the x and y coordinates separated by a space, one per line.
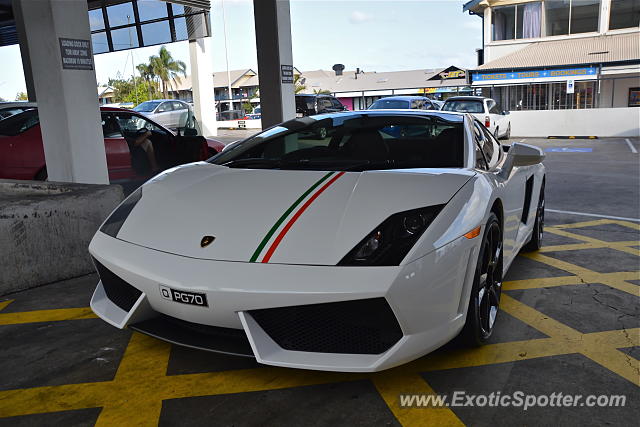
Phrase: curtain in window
pixel 499 30
pixel 531 22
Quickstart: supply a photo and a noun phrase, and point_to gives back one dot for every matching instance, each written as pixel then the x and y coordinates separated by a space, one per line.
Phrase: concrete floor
pixel 570 323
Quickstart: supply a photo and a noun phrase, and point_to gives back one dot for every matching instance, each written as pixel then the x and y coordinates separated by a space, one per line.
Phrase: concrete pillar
pixel 275 60
pixel 67 97
pixel 202 85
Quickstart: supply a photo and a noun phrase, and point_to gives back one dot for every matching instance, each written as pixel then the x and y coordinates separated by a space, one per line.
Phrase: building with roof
pixel 358 89
pixel 559 55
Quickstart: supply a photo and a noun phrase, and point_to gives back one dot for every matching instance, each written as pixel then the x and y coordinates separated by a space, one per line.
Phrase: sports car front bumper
pixel 427 300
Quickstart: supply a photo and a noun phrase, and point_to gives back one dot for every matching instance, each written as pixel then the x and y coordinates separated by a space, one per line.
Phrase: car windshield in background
pixel 464 106
pixel 19 123
pixel 389 104
pixel 353 143
pixel 147 106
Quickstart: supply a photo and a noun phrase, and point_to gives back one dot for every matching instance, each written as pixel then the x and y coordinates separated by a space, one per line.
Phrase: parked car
pixel 230 115
pixel 22 151
pixel 169 113
pixel 487 110
pixel 369 251
pixel 8 109
pixel 403 103
pixel 311 104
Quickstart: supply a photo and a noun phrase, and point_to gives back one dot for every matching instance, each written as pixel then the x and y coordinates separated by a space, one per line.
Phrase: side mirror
pixel 505 113
pixel 521 155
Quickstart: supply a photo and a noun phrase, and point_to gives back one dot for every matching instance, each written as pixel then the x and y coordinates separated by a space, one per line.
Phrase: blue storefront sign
pixel 561 74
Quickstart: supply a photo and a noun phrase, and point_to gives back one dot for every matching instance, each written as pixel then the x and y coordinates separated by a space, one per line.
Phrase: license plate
pixel 184 297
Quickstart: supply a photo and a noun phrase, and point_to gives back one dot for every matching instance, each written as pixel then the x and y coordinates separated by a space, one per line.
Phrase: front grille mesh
pixel 118 291
pixel 355 327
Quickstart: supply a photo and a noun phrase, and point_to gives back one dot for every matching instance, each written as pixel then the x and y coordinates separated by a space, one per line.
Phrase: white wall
pixel 600 122
pixel 620 94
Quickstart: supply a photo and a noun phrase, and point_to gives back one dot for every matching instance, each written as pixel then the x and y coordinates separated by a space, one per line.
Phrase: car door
pixel 513 188
pixel 180 114
pixel 324 105
pixel 163 114
pixel 498 119
pixel 116 148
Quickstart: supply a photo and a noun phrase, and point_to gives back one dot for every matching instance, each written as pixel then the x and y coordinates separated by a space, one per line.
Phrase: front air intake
pixel 365 326
pixel 118 291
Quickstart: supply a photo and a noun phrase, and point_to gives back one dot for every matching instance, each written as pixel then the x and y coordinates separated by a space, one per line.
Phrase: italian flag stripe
pixel 297 215
pixel 284 216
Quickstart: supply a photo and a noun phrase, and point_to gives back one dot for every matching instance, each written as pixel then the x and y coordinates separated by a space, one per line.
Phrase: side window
pixel 323 104
pixel 131 123
pixel 480 139
pixel 336 104
pixel 495 109
pixel 178 106
pixel 110 127
pixel 164 107
pixel 495 150
pixel 428 105
pixel 490 104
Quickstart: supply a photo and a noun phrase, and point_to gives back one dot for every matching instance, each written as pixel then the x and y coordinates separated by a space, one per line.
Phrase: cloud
pixel 359 17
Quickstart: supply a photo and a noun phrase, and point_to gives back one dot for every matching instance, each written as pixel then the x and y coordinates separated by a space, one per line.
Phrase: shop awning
pixel 570 52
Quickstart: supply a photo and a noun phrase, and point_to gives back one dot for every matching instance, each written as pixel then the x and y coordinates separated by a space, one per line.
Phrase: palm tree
pixel 147 74
pixel 298 83
pixel 167 69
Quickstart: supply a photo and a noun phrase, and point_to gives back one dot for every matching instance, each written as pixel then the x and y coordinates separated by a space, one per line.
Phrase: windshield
pixel 464 106
pixel 354 143
pixel 147 106
pixel 390 104
pixel 18 123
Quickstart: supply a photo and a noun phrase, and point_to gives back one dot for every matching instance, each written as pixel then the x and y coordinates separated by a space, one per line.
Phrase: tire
pixel 42 175
pixel 484 301
pixel 537 234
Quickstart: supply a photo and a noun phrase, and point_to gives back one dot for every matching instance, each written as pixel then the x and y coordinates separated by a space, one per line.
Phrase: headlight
pixel 390 242
pixel 114 223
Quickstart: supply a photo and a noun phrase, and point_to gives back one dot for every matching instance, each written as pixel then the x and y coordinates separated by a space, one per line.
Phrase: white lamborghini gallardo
pixel 346 242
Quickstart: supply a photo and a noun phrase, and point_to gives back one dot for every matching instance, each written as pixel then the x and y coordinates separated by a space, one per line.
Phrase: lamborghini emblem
pixel 206 241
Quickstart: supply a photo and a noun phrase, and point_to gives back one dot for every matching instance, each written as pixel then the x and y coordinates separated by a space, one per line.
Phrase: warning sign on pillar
pixel 76 54
pixel 286 72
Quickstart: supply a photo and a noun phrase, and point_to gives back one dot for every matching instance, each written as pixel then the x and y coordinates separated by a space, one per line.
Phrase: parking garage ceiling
pixel 9 36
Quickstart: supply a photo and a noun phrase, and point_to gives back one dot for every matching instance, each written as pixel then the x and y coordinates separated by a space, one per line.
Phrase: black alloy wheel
pixel 487 286
pixel 538 227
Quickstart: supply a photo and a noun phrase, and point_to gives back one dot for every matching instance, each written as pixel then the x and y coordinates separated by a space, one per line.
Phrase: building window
pixel 580 99
pixel 624 14
pixel 571 16
pixel 521 21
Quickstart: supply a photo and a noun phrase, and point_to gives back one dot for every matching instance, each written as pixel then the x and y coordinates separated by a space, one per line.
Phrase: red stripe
pixel 295 217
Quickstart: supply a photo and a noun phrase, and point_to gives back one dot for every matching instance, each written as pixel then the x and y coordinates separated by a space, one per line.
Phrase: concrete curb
pixel 45 229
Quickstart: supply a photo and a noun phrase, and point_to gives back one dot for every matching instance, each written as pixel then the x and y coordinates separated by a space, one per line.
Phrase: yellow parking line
pixel 391 384
pixel 582 224
pixel 46 315
pixel 548 282
pixel 536 319
pixel 3 304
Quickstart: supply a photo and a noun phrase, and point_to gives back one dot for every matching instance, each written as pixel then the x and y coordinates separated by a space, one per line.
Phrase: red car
pixel 22 152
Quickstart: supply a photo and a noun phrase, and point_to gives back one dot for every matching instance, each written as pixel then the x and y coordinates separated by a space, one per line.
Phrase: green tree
pixel 167 69
pixel 298 84
pixel 147 74
pixel 22 96
pixel 322 92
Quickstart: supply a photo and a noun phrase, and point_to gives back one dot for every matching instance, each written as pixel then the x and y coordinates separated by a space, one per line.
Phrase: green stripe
pixel 284 216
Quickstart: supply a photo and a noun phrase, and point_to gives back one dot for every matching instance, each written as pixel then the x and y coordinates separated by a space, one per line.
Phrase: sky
pixel 379 35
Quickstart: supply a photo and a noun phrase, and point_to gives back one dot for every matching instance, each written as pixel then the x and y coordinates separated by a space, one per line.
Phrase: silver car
pixel 170 113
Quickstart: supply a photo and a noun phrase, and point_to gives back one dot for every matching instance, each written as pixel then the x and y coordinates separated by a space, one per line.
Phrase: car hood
pixel 277 216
